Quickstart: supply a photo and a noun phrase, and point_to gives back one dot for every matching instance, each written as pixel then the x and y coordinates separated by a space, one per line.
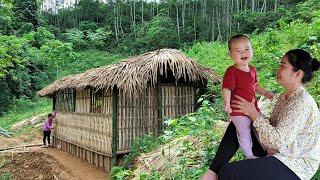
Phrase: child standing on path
pixel 241 79
pixel 47 126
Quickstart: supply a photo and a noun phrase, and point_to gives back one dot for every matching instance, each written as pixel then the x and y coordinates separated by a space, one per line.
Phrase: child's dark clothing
pixel 46 135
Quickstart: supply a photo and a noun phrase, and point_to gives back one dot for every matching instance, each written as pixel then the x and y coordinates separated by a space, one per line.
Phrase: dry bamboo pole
pixel 159 104
pixel 115 126
pixel 194 98
pixel 130 130
pixel 174 100
pixel 124 108
pixel 144 109
pixel 133 125
pixel 183 100
pixel 121 123
pixel 19 147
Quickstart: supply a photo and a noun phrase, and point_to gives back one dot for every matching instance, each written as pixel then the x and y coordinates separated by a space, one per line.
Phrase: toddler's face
pixel 241 51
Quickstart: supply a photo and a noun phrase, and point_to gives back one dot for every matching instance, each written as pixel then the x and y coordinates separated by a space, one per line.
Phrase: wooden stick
pixel 17 147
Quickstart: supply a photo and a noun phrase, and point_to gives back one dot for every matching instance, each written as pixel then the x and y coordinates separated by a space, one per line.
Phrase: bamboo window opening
pixel 96 101
pixel 65 101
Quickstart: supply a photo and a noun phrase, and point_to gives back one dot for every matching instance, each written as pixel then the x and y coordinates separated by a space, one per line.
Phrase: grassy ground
pixel 23 109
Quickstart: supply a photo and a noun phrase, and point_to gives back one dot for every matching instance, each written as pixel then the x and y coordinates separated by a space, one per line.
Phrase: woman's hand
pixel 269 95
pixel 246 107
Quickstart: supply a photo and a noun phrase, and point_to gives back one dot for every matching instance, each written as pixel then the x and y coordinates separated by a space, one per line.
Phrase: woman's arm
pixel 291 122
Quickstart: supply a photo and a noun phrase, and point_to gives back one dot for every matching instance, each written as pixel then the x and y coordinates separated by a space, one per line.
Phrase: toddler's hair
pixel 239 36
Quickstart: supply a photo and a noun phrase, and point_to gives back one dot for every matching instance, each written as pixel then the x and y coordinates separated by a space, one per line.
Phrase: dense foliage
pixel 37 47
pixel 42 41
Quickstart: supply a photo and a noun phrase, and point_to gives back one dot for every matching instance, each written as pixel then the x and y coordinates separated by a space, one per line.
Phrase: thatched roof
pixel 134 73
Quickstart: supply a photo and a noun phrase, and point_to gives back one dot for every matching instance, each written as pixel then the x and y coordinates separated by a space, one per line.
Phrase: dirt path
pixel 48 163
pixel 43 163
pixel 78 168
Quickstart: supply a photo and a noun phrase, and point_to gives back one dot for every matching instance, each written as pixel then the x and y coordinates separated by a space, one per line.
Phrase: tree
pixel 25 11
pixel 159 33
pixel 5 96
pixel 6 18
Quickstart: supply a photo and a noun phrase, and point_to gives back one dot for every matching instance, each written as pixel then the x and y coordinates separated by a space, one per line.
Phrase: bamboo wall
pixel 96 158
pixel 106 103
pixel 89 135
pixel 92 131
pixel 137 115
pixel 65 101
pixel 177 100
pixel 83 101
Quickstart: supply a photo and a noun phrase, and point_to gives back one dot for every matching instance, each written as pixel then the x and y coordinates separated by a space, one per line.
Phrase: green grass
pixel 5 176
pixel 23 109
pixel 316 176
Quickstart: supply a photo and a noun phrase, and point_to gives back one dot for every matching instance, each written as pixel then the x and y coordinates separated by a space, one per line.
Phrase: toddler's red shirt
pixel 241 83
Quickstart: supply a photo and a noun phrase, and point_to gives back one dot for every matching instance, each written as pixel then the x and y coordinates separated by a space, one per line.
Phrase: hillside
pixel 38 50
pixel 193 159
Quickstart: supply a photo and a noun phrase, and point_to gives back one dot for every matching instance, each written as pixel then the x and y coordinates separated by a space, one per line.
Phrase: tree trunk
pixel 142 11
pixel 263 8
pixel 152 10
pixel 212 27
pixel 115 21
pixel 238 10
pixel 183 14
pixel 228 24
pixel 245 5
pixel 252 5
pixel 75 20
pixel 177 14
pixel 218 25
pixel 194 22
pixel 134 19
pixel 120 21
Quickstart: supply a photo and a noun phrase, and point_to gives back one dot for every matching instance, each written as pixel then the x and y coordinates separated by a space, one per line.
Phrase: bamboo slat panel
pixel 177 100
pixel 64 101
pixel 93 131
pixel 83 101
pixel 96 158
pixel 107 102
pixel 136 116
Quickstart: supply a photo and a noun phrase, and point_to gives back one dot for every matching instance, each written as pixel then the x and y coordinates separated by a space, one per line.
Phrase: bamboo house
pixel 102 111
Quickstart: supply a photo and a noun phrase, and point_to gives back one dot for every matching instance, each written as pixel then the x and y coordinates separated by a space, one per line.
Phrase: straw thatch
pixel 135 73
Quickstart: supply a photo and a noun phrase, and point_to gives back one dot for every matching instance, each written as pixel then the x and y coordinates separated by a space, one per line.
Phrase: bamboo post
pixel 114 125
pixel 195 98
pixel 159 104
pixel 74 100
pixel 91 101
pixel 54 102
